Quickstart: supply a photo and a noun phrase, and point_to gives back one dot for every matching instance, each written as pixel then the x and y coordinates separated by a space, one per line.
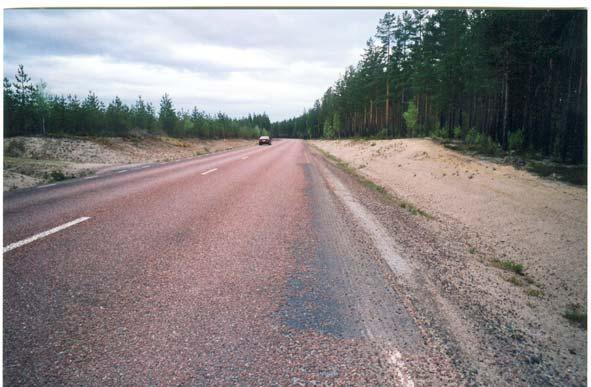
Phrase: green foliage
pixel 472 137
pixel 410 117
pixel 488 70
pixel 509 265
pixel 440 133
pixel 516 140
pixel 31 109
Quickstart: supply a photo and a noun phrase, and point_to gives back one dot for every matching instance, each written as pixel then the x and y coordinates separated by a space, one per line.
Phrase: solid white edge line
pixel 123 170
pixel 145 166
pixel 89 177
pixel 244 158
pixel 47 185
pixel 43 234
pixel 211 170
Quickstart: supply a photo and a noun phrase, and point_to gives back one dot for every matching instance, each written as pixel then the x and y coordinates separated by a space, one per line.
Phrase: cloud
pixel 236 61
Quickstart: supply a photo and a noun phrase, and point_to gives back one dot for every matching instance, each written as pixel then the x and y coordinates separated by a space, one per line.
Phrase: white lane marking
pixel 244 158
pixel 89 177
pixel 123 170
pixel 47 185
pixel 211 170
pixel 44 234
pixel 145 166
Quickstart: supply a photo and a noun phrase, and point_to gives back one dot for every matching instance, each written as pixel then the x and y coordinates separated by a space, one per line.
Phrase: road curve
pixel 239 267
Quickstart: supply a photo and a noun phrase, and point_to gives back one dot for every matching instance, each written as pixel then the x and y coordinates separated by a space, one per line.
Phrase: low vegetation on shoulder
pixel 372 185
pixel 577 314
pixel 57 175
pixel 515 281
pixel 535 292
pixel 414 210
pixel 509 265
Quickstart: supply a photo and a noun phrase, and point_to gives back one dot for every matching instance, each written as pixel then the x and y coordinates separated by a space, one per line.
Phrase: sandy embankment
pixel 509 213
pixel 29 161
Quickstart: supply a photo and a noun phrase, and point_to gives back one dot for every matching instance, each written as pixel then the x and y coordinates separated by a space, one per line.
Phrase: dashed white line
pixel 43 234
pixel 123 170
pixel 211 170
pixel 47 185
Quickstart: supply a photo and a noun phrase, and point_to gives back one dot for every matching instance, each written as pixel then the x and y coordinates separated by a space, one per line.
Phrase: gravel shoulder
pixel 30 161
pixel 500 327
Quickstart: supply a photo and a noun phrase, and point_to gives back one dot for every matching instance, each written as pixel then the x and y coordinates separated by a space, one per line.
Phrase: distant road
pixel 239 267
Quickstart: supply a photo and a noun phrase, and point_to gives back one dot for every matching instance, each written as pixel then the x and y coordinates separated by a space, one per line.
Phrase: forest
pixel 500 80
pixel 30 110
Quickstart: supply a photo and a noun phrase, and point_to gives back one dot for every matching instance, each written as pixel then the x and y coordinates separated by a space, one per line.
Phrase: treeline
pixel 30 110
pixel 502 79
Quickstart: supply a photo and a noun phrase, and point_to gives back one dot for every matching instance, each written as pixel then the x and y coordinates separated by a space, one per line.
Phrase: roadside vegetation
pixel 577 314
pixel 514 85
pixel 509 265
pixel 372 185
pixel 29 109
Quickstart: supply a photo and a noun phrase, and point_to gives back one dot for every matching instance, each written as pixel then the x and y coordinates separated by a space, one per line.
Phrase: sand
pixel 30 161
pixel 509 213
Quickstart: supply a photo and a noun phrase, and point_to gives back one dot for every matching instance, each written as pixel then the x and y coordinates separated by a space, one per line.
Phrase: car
pixel 264 140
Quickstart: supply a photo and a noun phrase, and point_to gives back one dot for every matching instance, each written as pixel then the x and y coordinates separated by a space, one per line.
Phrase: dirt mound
pixel 30 161
pixel 507 216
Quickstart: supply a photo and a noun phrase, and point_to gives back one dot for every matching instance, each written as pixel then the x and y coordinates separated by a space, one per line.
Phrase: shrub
pixel 472 137
pixel 439 133
pixel 516 140
pixel 457 132
pixel 57 176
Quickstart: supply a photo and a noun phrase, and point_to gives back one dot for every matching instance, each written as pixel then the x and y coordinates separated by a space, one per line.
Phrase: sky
pixel 234 61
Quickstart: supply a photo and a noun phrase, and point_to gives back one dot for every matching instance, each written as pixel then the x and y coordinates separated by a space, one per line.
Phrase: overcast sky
pixel 235 61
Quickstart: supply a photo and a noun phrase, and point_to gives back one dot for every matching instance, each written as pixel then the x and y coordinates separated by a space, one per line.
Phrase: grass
pixel 472 250
pixel 414 210
pixel 543 167
pixel 509 265
pixel 573 174
pixel 371 185
pixel 535 293
pixel 57 176
pixel 576 314
pixel 515 281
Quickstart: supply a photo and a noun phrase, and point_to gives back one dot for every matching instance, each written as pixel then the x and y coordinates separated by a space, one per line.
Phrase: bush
pixel 457 132
pixel 516 140
pixel 439 133
pixel 57 176
pixel 382 134
pixel 472 137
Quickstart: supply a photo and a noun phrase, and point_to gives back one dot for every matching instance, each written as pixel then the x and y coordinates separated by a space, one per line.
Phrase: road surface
pixel 240 267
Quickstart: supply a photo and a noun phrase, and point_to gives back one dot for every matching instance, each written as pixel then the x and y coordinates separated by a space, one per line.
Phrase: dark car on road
pixel 264 140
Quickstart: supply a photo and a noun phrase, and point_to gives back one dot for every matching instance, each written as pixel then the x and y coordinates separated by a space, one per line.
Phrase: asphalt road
pixel 239 267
